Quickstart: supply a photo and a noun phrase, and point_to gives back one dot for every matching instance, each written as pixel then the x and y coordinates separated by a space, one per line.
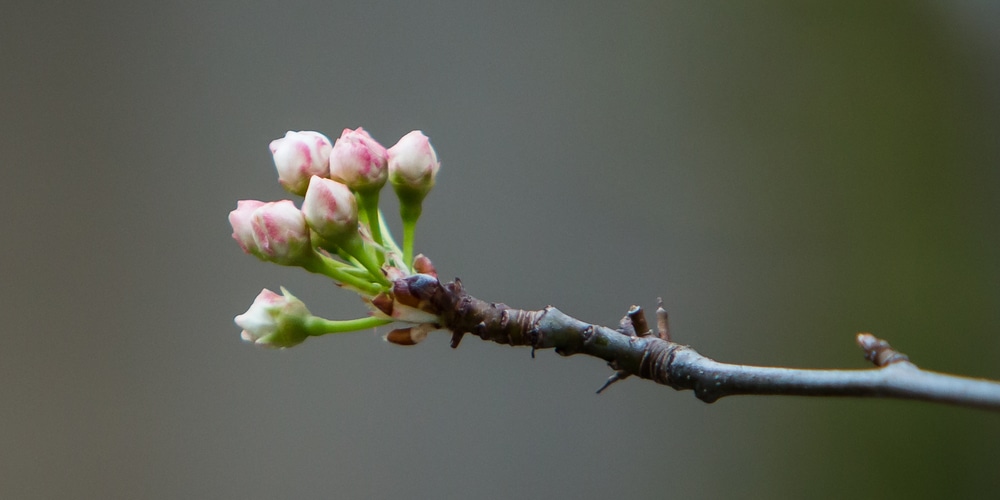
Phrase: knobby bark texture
pixel 634 349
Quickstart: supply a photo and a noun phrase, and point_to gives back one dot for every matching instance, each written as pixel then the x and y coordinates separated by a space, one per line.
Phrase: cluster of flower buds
pixel 339 231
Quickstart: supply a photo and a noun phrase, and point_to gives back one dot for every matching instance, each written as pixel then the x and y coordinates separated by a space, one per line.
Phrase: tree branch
pixel 634 350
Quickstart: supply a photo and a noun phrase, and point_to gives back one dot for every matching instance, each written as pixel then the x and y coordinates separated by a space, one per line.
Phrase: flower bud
pixel 280 233
pixel 413 165
pixel 299 156
pixel 274 320
pixel 358 161
pixel 330 209
pixel 242 230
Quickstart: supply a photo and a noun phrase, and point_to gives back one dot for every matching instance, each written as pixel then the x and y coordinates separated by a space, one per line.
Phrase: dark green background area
pixel 783 174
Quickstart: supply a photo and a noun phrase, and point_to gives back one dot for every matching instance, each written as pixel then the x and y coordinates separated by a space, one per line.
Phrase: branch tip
pixel 878 351
pixel 662 321
pixel 639 321
pixel 616 376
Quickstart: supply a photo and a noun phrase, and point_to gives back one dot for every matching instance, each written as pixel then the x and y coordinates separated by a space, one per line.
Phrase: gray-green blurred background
pixel 783 174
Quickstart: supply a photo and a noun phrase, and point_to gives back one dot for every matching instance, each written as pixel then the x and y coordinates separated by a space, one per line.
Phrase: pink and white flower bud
pixel 359 161
pixel 242 229
pixel 330 209
pixel 413 164
pixel 280 233
pixel 274 320
pixel 299 156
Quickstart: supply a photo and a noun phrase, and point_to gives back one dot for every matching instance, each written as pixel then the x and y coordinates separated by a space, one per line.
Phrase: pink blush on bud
pixel 305 152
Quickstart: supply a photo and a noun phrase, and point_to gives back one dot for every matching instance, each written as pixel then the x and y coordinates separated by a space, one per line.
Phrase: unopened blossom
pixel 240 219
pixel 413 165
pixel 330 209
pixel 359 161
pixel 275 320
pixel 299 156
pixel 280 233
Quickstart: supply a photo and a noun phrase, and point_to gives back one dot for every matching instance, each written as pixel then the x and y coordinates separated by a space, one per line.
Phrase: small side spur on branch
pixel 340 232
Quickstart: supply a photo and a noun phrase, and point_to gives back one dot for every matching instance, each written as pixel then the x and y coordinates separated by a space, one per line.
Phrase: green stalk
pixel 355 247
pixel 409 212
pixel 320 264
pixel 391 245
pixel 317 326
pixel 368 204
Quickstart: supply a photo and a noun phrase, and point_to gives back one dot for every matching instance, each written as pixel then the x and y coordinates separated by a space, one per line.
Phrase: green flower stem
pixel 355 271
pixel 355 247
pixel 368 204
pixel 317 326
pixel 352 265
pixel 390 244
pixel 321 264
pixel 389 241
pixel 350 261
pixel 409 212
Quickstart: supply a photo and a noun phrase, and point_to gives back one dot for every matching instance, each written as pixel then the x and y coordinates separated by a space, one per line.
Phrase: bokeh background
pixel 783 174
